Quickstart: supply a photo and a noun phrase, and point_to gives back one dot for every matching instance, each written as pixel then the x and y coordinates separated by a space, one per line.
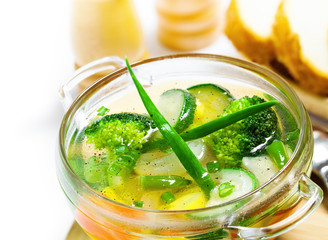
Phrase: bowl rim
pixel 247 65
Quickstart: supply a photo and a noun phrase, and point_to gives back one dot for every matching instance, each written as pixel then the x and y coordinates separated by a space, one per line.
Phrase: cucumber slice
pixel 159 163
pixel 211 100
pixel 261 166
pixel 178 107
pixel 242 180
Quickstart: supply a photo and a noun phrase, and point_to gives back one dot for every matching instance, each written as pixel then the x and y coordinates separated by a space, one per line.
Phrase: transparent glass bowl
pixel 266 212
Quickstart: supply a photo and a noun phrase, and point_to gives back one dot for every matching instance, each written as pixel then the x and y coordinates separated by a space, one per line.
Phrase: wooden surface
pixel 315 227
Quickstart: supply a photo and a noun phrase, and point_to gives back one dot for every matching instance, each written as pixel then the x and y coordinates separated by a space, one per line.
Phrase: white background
pixel 35 59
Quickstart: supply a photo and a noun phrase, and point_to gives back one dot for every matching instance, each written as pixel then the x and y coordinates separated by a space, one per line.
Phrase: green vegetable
pixel 122 135
pixel 77 164
pixel 178 108
pixel 291 132
pixel 247 137
pixel 181 149
pixel 102 111
pixel 158 182
pixel 277 152
pixel 239 180
pixel 211 101
pixel 213 166
pixel 168 197
pixel 138 204
pixel 223 121
pixel 120 149
pixel 128 129
pixel 123 164
pixel 225 189
pixel 95 169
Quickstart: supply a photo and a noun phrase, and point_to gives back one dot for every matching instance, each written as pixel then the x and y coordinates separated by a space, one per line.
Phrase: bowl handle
pixel 309 192
pixel 70 90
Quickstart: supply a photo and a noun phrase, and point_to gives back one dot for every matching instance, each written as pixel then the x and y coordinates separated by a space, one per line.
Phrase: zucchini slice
pixel 211 100
pixel 159 163
pixel 178 107
pixel 261 166
pixel 242 180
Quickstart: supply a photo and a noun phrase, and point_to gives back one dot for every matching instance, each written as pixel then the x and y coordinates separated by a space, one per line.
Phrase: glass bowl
pixel 266 212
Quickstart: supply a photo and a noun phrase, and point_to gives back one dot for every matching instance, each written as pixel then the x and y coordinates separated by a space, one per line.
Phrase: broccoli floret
pixel 128 129
pixel 246 137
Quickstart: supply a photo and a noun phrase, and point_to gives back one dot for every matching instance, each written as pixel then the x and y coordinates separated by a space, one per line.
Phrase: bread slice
pixel 301 42
pixel 188 41
pixel 187 25
pixel 249 26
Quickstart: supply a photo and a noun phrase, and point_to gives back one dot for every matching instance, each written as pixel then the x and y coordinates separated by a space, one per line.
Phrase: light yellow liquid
pixel 106 28
pixel 190 197
pixel 129 101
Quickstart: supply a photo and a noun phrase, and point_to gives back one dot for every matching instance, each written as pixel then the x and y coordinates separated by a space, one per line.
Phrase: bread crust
pixel 289 53
pixel 252 46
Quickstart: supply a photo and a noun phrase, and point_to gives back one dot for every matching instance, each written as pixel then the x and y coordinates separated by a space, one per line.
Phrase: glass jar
pixel 266 212
pixel 106 28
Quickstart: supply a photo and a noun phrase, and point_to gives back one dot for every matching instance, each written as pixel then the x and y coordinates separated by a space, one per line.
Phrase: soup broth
pixel 156 179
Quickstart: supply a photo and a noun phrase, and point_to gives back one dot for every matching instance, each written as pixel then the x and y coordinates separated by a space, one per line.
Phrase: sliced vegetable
pixel 168 197
pixel 159 163
pixel 181 149
pixel 163 182
pixel 213 166
pixel 225 189
pixel 138 204
pixel 121 167
pixel 263 167
pixel 277 151
pixel 211 100
pixel 242 180
pixel 95 169
pixel 102 111
pixel 123 164
pixel 178 108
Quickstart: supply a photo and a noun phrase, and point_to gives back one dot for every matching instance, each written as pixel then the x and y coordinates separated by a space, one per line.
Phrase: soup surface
pixel 121 153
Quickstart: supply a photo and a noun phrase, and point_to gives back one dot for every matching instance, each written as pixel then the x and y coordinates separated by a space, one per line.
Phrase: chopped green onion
pixel 277 152
pixel 121 149
pixel 213 125
pixel 213 166
pixel 168 197
pixel 138 204
pixel 123 164
pixel 102 111
pixel 178 145
pixel 225 189
pixel 159 182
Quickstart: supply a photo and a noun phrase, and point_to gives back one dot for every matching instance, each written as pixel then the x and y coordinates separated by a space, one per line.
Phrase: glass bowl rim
pixel 250 66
